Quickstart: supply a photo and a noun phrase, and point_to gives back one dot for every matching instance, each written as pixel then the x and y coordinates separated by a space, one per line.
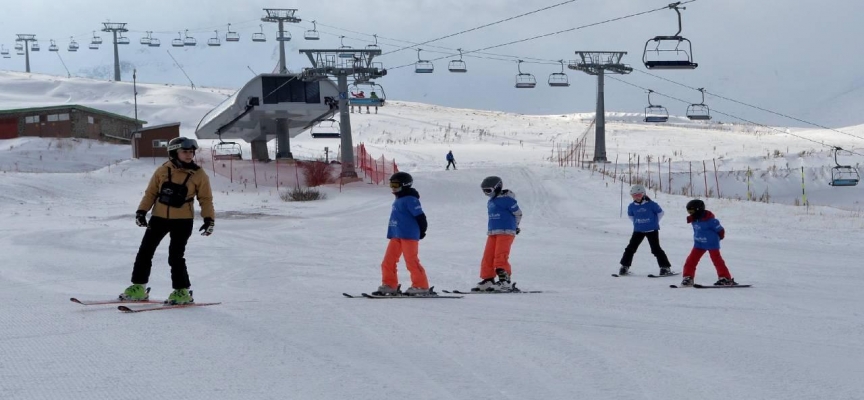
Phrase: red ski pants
pixel 496 255
pixel 398 248
pixel 716 258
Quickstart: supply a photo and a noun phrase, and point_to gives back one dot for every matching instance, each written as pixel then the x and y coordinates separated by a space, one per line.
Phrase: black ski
pixel 401 296
pixel 663 276
pixel 492 292
pixel 720 286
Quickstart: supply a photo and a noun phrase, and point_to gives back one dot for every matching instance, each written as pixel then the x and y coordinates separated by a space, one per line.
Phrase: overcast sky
pixel 785 55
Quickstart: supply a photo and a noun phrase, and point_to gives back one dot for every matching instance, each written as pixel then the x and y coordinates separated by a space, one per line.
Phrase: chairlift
pixel 122 39
pixel 524 80
pixel 53 46
pixel 214 41
pixel 155 42
pixel 95 40
pixel 699 112
pixel 313 33
pixel 4 52
pixel 423 66
pixel 146 40
pixel 559 79
pixel 375 45
pixel 843 175
pixel 259 36
pixel 19 49
pixel 374 98
pixel 457 66
pixel 346 49
pixel 73 45
pixel 227 151
pixel 179 41
pixel 93 46
pixel 331 130
pixel 232 36
pixel 282 36
pixel 189 40
pixel 669 52
pixel 655 113
pixel 34 46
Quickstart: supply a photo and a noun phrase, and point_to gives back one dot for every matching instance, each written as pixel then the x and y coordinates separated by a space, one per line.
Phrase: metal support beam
pixel 115 27
pixel 26 38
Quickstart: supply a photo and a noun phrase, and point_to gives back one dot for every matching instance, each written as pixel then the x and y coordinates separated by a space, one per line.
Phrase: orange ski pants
pixel 398 248
pixel 496 255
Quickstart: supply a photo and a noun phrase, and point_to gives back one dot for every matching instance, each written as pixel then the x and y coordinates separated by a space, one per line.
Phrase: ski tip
pixel 124 309
pixel 616 275
pixel 348 295
pixel 74 300
pixel 673 286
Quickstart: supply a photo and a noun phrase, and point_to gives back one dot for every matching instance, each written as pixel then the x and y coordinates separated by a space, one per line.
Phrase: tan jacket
pixel 198 185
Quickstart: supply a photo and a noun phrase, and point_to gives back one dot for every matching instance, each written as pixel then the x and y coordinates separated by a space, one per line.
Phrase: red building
pixel 152 141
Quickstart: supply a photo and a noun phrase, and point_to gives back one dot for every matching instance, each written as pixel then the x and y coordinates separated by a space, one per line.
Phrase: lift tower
pixel 598 63
pixel 281 15
pixel 115 27
pixel 358 63
pixel 26 38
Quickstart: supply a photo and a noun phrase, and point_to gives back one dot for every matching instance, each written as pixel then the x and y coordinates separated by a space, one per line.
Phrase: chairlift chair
pixel 655 113
pixel 457 66
pixel 155 42
pixel 232 36
pixel 332 130
pixel 284 36
pixel 146 40
pixel 700 111
pixel 524 80
pixel 373 46
pixel 179 41
pixel 189 40
pixel 559 79
pixel 313 33
pixel 73 45
pixel 122 40
pixel 96 39
pixel 423 66
pixel 374 89
pixel 5 52
pixel 669 52
pixel 34 46
pixel 53 46
pixel 345 49
pixel 214 41
pixel 259 36
pixel 93 46
pixel 843 175
pixel 19 49
pixel 227 151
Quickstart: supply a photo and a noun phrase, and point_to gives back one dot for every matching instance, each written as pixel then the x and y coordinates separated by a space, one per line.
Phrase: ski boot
pixel 135 292
pixel 420 292
pixel 665 271
pixel 725 282
pixel 179 297
pixel 624 270
pixel 687 281
pixel 486 285
pixel 385 290
pixel 504 284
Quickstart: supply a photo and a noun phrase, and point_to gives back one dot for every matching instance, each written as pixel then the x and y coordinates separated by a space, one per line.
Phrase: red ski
pixel 164 307
pixel 116 300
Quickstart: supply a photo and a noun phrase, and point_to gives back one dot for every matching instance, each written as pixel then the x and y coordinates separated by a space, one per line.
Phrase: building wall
pixel 154 142
pixel 8 128
pixel 71 122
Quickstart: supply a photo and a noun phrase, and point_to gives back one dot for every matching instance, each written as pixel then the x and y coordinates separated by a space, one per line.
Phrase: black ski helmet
pixel 180 143
pixel 492 184
pixel 697 206
pixel 400 180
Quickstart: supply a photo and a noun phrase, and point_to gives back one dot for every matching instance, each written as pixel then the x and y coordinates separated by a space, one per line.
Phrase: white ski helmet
pixel 637 189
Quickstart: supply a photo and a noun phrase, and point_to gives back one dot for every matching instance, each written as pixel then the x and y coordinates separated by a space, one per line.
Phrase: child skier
pixel 645 215
pixel 450 160
pixel 169 195
pixel 707 234
pixel 504 218
pixel 407 227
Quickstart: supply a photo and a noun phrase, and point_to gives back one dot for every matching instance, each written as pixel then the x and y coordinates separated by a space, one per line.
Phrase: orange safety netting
pixel 378 170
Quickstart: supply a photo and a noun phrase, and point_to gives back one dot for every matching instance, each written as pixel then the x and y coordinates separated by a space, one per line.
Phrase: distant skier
pixel 170 193
pixel 504 218
pixel 407 227
pixel 450 160
pixel 707 234
pixel 645 215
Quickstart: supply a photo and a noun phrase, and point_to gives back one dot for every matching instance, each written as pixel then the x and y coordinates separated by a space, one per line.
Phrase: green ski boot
pixel 180 296
pixel 135 292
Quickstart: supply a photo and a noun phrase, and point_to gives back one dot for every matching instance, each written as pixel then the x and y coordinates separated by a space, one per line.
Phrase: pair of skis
pixel 698 286
pixel 153 305
pixel 649 275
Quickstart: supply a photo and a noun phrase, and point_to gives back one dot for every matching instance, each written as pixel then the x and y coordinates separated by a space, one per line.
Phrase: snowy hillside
pixel 284 331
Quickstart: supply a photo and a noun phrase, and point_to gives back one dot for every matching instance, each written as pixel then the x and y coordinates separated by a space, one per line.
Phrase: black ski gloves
pixel 141 218
pixel 207 228
pixel 421 221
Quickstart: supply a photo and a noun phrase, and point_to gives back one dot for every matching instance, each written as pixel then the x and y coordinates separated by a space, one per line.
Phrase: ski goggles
pixel 395 185
pixel 186 144
pixel 488 190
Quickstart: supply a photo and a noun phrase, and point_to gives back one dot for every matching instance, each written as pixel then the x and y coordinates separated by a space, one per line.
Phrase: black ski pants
pixel 451 162
pixel 653 241
pixel 180 231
